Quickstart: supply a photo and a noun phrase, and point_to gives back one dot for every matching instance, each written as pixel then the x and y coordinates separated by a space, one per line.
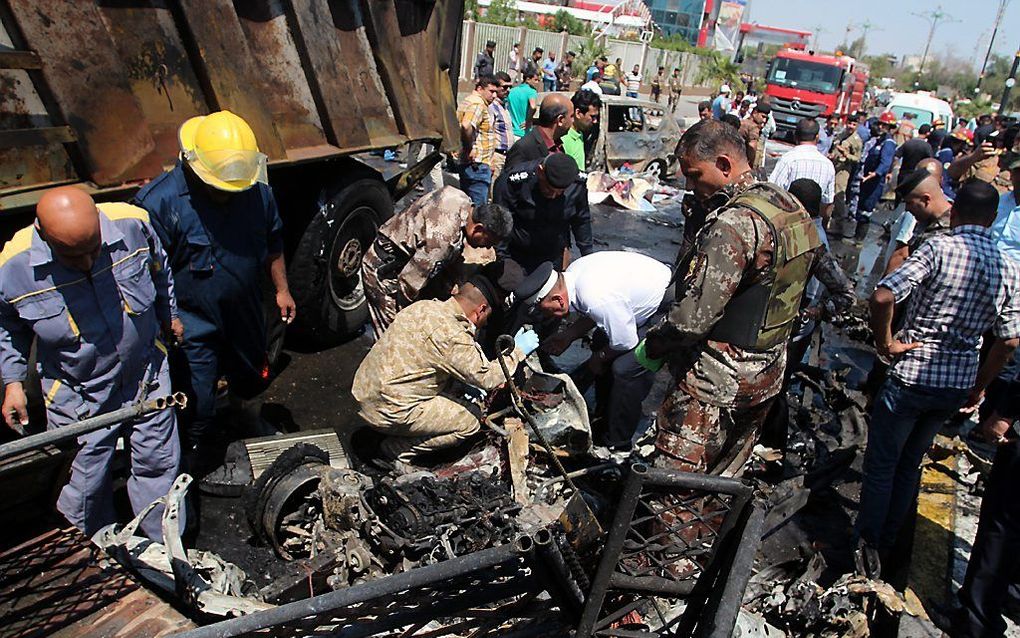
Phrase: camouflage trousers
pixel 380 293
pixel 437 423
pixel 695 436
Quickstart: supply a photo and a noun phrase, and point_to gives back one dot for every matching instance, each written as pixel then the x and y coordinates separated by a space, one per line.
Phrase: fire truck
pixel 806 84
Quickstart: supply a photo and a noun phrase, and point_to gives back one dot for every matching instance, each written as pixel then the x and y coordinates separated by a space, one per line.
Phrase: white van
pixel 923 105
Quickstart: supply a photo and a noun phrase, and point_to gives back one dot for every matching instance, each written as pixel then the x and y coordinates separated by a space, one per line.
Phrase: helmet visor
pixel 236 167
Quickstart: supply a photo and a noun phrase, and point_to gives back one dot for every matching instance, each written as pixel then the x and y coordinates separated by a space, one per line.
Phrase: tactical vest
pixel 761 315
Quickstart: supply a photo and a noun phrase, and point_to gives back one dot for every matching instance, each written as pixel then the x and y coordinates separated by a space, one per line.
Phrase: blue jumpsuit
pixel 97 349
pixel 879 161
pixel 946 157
pixel 218 254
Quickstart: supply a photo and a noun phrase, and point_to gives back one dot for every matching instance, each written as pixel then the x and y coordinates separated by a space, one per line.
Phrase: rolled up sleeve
pixel 914 271
pixel 15 342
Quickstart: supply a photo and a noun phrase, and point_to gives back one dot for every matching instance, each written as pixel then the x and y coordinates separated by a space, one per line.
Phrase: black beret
pixel 490 291
pixel 490 43
pixel 534 282
pixel 911 181
pixel 560 170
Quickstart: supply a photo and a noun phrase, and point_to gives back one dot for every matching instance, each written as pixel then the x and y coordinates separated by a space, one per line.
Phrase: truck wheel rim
pixel 349 244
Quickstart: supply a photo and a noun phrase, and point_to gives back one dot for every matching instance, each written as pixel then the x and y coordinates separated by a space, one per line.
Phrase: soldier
pixel 405 386
pixel 418 253
pixel 93 288
pixel 675 89
pixel 846 158
pixel 737 299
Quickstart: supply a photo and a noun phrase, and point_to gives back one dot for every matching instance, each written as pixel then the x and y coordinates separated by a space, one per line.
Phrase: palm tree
pixel 715 69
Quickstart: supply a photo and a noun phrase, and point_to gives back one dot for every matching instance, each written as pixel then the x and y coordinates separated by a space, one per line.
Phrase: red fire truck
pixel 805 84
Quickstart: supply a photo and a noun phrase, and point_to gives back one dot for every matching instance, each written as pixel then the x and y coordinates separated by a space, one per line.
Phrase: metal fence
pixel 476 34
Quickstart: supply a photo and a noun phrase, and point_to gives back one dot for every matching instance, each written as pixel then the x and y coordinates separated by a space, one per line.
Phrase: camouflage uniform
pixel 417 254
pixel 676 87
pixel 722 392
pixel 404 386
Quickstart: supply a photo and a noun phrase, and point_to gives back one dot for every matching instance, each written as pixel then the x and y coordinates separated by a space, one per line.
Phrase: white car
pixel 923 105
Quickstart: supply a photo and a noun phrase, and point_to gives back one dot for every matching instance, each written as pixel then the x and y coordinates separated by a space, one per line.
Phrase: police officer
pixel 92 286
pixel 418 253
pixel 738 293
pixel 549 202
pixel 217 219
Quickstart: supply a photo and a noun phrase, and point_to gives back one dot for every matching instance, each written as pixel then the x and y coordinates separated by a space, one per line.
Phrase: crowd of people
pixel 104 289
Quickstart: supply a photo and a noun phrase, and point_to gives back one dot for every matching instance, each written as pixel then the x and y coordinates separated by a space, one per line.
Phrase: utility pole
pixel 818 31
pixel 934 17
pixel 1010 81
pixel 846 35
pixel 995 29
pixel 865 27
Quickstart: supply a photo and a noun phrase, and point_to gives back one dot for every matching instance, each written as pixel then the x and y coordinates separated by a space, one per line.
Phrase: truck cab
pixel 805 84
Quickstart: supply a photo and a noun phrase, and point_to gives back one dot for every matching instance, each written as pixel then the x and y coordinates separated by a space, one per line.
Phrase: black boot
pixel 862 229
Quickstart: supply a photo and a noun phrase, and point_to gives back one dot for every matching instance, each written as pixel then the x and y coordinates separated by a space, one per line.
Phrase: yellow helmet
pixel 221 149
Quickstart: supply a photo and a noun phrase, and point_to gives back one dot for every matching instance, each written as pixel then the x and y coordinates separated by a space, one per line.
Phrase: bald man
pixel 555 117
pixel 91 285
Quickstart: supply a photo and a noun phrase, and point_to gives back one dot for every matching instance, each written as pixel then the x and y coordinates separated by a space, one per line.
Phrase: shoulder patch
pixel 122 210
pixel 519 176
pixel 18 244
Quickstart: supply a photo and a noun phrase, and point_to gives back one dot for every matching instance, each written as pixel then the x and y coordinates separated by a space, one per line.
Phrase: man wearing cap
pixel 879 152
pixel 620 293
pixel 485 63
pixel 738 294
pixel 531 64
pixel 721 103
pixel 923 199
pixel 406 386
pixel 937 135
pixel 952 148
pixel 565 72
pixel 549 203
pixel 216 217
pixel 418 253
pixel 846 159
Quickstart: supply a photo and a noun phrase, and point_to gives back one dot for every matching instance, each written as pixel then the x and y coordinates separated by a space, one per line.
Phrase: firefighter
pixel 879 152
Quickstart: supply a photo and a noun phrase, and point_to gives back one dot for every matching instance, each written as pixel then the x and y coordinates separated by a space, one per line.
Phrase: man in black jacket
pixel 549 202
pixel 555 117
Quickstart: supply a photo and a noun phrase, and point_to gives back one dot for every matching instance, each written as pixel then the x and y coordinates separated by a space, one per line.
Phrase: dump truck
pixel 93 94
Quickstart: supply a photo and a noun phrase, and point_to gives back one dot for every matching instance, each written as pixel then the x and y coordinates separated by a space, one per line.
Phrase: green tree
pixel 590 50
pixel 502 12
pixel 716 68
pixel 563 21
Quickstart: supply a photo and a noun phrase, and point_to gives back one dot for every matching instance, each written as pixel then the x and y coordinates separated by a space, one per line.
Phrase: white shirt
pixel 593 86
pixel 619 291
pixel 633 82
pixel 804 161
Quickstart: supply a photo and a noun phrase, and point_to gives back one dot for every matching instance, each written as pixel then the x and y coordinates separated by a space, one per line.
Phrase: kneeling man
pixel 405 385
pixel 619 293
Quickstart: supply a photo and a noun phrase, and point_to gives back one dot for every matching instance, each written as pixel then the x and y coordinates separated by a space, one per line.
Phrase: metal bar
pixel 20 60
pixel 71 432
pixel 44 136
pixel 725 616
pixel 364 592
pixel 554 568
pixel 652 584
pixel 611 551
pixel 686 480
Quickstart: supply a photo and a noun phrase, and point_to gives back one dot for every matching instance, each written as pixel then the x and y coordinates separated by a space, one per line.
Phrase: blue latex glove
pixel 526 340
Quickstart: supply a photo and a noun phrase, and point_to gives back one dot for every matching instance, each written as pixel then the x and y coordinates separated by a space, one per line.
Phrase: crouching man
pixel 405 386
pixel 418 253
pixel 620 293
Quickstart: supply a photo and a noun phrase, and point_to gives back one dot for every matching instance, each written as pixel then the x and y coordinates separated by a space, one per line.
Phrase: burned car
pixel 638 133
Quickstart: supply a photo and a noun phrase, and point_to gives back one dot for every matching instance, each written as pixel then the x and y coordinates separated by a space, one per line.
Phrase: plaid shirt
pixel 474 112
pixel 960 285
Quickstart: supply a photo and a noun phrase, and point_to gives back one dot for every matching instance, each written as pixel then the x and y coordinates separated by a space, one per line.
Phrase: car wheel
pixel 657 168
pixel 325 271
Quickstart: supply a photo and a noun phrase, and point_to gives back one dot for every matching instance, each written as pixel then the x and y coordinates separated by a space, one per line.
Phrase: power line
pixel 865 27
pixel 934 17
pixel 818 31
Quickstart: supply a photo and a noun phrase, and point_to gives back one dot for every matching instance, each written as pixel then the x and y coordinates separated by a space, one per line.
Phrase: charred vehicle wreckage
pixel 527 534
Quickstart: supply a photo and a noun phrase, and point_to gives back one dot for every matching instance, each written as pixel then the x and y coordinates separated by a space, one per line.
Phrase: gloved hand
pixel 646 362
pixel 526 340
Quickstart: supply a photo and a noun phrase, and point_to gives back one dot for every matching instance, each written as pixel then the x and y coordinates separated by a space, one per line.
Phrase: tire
pixel 325 270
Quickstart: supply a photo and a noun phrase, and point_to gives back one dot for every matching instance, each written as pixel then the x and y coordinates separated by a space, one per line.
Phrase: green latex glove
pixel 646 362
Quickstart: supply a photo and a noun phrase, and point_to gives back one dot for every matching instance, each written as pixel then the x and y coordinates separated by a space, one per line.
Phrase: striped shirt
pixel 474 112
pixel 960 285
pixel 501 125
pixel 804 161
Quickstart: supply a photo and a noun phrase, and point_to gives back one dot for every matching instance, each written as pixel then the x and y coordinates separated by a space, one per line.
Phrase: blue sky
pixel 901 32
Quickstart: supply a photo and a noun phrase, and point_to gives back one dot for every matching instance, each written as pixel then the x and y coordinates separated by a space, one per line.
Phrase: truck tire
pixel 325 270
